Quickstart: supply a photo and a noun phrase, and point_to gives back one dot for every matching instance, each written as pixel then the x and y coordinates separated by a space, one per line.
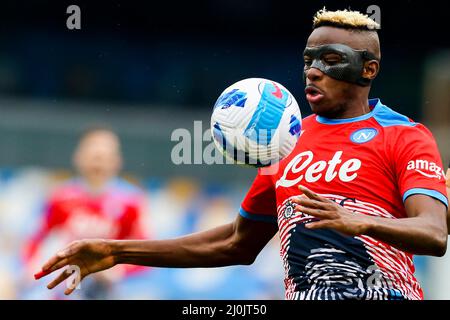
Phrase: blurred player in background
pixel 379 190
pixel 96 204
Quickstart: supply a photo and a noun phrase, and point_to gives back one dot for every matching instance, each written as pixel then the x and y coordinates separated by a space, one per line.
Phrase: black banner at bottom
pixel 213 309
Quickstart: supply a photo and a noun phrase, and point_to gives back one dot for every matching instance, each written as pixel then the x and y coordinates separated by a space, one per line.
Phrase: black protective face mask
pixel 350 67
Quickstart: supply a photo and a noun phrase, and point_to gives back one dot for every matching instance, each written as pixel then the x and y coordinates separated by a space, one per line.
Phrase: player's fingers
pixel 73 285
pixel 60 255
pixel 306 202
pixel 319 224
pixel 62 276
pixel 51 262
pixel 309 193
pixel 321 214
pixel 54 260
pixel 58 265
pixel 68 291
pixel 313 195
pixel 54 266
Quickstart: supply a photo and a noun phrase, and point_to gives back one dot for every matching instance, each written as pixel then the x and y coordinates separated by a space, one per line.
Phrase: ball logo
pixel 296 126
pixel 363 135
pixel 233 98
pixel 302 167
pixel 277 93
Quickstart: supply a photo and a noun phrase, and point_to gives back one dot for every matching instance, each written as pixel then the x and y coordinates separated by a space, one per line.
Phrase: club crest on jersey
pixel 288 211
pixel 363 135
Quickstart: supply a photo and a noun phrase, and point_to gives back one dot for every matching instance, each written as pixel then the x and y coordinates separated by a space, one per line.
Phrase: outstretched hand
pixel 88 256
pixel 331 214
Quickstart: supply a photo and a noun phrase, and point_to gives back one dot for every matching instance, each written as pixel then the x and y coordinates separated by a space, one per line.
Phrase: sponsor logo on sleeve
pixel 426 168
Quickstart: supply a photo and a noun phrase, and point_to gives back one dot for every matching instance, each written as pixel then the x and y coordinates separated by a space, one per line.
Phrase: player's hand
pixel 89 256
pixel 331 214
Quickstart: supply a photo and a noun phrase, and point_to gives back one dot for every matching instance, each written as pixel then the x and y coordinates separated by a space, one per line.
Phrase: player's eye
pixel 307 61
pixel 331 58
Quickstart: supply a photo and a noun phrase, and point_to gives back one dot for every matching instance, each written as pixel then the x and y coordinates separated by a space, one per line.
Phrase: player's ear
pixel 371 69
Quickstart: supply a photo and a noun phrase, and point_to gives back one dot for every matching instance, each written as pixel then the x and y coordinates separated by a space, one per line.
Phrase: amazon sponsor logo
pixel 426 168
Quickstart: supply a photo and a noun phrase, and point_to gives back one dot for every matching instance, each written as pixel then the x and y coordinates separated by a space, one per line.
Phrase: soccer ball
pixel 256 122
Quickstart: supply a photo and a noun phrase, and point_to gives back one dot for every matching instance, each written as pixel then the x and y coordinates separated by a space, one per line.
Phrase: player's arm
pixel 231 244
pixel 423 232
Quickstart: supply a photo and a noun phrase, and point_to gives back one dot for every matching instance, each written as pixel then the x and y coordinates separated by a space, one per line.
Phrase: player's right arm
pixel 231 244
pixel 236 243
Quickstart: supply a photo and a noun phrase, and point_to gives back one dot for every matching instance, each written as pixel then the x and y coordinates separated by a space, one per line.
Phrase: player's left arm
pixel 423 232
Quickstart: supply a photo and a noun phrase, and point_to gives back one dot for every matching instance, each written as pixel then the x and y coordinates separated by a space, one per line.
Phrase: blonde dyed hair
pixel 344 19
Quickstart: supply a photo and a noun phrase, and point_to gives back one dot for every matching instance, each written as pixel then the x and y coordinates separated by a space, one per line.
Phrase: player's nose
pixel 313 74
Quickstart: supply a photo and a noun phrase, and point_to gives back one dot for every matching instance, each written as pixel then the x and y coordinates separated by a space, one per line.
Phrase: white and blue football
pixel 256 122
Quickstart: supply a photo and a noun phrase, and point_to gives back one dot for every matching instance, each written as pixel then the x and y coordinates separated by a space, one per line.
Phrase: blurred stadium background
pixel 147 69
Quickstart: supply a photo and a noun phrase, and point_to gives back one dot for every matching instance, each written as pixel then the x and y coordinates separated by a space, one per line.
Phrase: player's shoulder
pixel 69 189
pixel 125 189
pixel 308 120
pixel 397 124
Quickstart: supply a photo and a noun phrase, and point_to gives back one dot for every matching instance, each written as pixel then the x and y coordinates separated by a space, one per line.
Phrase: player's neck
pixel 356 110
pixel 96 185
pixel 353 108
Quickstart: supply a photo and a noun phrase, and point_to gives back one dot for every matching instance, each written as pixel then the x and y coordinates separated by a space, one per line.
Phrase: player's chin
pixel 320 108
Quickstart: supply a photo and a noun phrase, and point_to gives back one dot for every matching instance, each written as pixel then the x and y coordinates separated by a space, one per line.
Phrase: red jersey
pixel 73 212
pixel 368 164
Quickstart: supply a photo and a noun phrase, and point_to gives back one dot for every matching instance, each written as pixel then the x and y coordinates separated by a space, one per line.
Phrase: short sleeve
pixel 418 164
pixel 260 202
